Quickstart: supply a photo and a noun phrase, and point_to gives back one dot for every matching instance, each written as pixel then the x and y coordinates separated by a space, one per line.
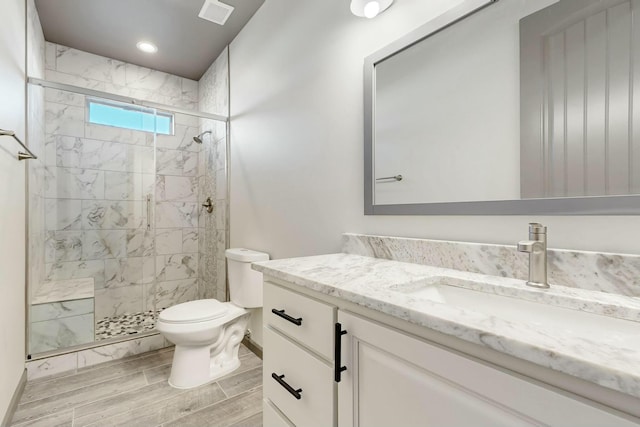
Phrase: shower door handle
pixel 148 211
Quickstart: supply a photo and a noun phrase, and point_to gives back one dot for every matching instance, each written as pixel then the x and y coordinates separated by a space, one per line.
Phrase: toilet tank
pixel 245 284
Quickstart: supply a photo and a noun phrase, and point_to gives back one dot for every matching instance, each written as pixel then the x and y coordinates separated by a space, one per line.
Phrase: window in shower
pixel 129 117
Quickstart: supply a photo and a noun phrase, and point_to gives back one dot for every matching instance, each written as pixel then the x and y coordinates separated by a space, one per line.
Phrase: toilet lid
pixel 194 311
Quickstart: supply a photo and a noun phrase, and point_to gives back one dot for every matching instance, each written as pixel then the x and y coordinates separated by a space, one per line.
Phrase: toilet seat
pixel 194 312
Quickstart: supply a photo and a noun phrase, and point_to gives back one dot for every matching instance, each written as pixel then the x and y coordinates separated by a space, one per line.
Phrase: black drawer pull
pixel 337 348
pixel 283 383
pixel 285 316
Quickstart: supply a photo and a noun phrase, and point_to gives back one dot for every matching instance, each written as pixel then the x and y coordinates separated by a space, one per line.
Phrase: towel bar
pixel 21 155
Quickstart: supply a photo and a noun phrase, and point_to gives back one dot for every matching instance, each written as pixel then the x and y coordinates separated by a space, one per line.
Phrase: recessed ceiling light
pixel 147 47
pixel 371 9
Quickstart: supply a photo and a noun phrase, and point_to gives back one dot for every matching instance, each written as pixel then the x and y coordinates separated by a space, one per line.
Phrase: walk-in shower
pixel 116 227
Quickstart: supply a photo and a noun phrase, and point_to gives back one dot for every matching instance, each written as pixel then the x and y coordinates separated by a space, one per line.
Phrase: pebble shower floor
pixel 127 324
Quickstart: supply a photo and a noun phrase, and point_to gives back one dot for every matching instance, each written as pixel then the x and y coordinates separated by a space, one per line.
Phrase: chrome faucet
pixel 536 247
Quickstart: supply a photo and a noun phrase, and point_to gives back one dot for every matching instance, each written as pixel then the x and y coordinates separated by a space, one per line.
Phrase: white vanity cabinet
pixel 395 378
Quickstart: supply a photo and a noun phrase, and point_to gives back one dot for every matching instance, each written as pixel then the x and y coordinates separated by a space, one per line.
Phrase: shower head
pixel 198 138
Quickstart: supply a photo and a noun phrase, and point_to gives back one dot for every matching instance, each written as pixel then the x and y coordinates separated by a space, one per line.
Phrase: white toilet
pixel 207 333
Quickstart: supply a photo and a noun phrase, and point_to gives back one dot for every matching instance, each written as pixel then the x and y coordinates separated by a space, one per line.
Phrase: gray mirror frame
pixel 604 205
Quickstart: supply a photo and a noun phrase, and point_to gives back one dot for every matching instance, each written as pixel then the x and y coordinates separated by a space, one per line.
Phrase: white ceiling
pixel 187 44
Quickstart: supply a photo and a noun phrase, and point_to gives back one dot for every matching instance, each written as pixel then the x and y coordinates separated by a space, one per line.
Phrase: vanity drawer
pixel 271 416
pixel 316 319
pixel 304 375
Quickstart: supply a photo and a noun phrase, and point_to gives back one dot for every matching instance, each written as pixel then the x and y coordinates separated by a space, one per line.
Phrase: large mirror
pixel 507 107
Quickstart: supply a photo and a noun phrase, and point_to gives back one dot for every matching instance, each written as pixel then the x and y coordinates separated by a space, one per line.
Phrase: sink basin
pixel 545 317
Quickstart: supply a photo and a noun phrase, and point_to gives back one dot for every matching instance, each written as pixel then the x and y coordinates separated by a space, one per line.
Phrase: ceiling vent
pixel 215 11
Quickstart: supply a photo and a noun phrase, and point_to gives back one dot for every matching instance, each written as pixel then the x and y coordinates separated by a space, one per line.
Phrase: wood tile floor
pixel 134 392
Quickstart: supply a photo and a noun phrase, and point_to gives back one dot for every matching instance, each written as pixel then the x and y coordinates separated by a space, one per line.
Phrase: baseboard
pixel 251 345
pixel 13 405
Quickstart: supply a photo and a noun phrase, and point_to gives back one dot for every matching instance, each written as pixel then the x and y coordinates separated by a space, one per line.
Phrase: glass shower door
pixel 123 306
pixel 116 228
pixel 97 229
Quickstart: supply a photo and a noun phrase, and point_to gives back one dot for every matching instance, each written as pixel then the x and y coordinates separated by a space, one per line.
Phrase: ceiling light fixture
pixel 147 47
pixel 369 8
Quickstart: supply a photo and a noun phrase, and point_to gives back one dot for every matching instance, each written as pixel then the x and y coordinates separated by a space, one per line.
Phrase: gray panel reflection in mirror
pixel 577 62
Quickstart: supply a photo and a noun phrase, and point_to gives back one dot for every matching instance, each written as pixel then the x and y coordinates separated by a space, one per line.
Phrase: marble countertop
pixel 64 290
pixel 608 356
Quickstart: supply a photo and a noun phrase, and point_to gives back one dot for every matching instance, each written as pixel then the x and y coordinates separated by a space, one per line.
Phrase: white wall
pixel 297 139
pixel 12 197
pixel 418 115
pixel 424 94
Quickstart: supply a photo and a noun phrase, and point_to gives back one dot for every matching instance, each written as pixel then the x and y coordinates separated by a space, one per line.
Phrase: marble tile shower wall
pixel 177 215
pixel 212 227
pixel 96 182
pixel 78 68
pixel 98 178
pixel 35 140
pixel 213 98
pixel 36 195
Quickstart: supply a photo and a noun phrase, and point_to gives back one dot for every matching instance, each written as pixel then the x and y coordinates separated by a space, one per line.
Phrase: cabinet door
pixel 395 379
pixel 271 417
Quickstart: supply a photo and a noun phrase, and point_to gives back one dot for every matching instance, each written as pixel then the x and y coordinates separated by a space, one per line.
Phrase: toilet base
pixel 191 381
pixel 194 366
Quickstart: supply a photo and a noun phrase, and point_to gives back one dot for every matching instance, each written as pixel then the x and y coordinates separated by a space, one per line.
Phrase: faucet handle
pixel 526 246
pixel 536 247
pixel 537 228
